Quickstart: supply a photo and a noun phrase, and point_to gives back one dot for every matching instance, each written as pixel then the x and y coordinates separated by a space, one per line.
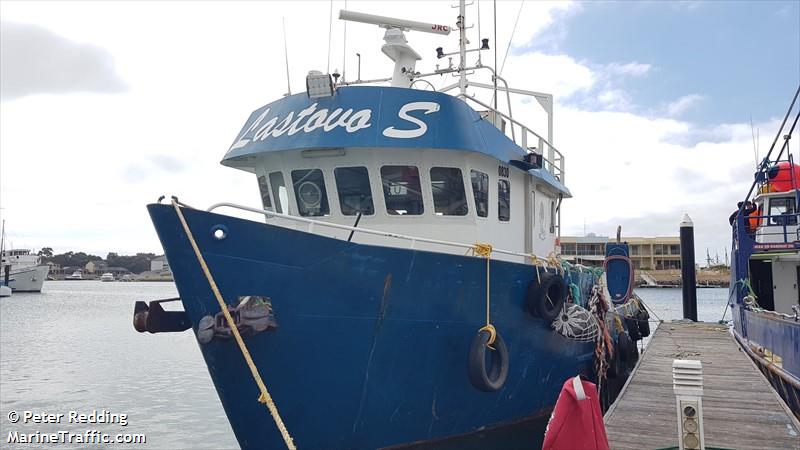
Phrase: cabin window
pixel 279 191
pixel 401 190
pixel 784 208
pixel 504 201
pixel 449 198
pixel 309 189
pixel 264 189
pixel 355 195
pixel 480 190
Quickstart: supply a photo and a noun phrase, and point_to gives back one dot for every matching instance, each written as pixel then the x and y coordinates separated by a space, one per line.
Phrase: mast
pixel 2 243
pixel 462 48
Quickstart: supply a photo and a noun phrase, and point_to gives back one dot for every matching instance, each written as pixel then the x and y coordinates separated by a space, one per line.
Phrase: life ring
pixel 492 378
pixel 546 296
pixel 643 319
pixel 632 324
pixel 755 222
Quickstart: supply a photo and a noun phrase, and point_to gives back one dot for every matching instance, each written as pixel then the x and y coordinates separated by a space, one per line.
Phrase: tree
pixel 46 252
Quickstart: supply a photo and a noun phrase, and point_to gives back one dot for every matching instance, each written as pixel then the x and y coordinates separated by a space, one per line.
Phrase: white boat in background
pixel 108 276
pixel 77 275
pixel 27 272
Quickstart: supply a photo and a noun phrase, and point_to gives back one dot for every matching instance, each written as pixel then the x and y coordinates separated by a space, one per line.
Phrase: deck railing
pixel 311 224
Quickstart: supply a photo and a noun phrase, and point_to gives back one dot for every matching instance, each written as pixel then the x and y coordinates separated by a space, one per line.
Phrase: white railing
pixel 310 223
pixel 553 162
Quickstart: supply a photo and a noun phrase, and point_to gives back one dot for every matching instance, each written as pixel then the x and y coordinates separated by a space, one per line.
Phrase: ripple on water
pixel 73 348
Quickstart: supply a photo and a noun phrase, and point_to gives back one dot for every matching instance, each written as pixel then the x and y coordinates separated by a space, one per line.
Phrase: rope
pixel 485 251
pixel 555 262
pixel 264 397
pixel 641 301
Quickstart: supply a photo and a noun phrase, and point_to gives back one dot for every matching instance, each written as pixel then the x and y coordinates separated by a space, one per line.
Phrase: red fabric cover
pixel 576 424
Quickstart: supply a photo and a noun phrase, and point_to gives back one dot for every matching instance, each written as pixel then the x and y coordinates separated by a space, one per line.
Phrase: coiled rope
pixel 485 251
pixel 264 397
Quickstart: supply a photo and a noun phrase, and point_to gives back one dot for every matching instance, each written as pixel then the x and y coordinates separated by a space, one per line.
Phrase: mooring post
pixel 688 280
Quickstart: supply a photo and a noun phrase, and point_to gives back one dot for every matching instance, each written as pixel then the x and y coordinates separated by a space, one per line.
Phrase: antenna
pixel 753 133
pixel 396 46
pixel 286 54
pixel 390 22
pixel 344 48
pixel 330 29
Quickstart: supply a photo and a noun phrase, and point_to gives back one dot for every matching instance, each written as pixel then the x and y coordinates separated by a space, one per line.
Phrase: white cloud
pixel 78 169
pixel 614 100
pixel 683 104
pixel 633 69
pixel 559 75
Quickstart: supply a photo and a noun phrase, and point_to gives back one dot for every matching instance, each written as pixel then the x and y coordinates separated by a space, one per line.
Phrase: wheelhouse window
pixel 264 189
pixel 785 209
pixel 449 198
pixel 309 189
pixel 355 195
pixel 504 200
pixel 279 191
pixel 401 190
pixel 480 190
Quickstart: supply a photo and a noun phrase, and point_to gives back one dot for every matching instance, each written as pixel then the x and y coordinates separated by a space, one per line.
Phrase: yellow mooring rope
pixel 485 250
pixel 264 397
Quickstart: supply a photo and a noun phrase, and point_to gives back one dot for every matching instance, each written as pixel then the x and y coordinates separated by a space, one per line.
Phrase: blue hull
pixel 371 349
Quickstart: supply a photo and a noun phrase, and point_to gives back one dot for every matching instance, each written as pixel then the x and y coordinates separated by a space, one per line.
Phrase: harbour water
pixel 73 348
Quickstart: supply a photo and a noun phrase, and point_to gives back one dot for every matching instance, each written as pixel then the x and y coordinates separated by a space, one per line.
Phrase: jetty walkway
pixel 740 409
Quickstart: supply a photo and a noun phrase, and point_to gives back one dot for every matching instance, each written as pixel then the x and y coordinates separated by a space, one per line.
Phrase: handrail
pixel 413 239
pixel 524 128
pixel 449 70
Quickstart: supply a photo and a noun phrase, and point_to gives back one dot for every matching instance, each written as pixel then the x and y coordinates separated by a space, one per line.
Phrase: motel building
pixel 647 253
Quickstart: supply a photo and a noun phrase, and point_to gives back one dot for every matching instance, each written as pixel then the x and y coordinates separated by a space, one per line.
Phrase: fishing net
pixel 576 322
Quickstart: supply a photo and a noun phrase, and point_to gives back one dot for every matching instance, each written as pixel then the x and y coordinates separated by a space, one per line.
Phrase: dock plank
pixel 740 410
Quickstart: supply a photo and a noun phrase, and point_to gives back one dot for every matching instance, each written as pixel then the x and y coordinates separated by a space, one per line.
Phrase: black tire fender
pixel 493 377
pixel 614 363
pixel 632 324
pixel 546 298
pixel 624 346
pixel 643 319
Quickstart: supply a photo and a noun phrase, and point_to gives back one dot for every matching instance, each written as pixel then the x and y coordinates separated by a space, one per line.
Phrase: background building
pixel 648 253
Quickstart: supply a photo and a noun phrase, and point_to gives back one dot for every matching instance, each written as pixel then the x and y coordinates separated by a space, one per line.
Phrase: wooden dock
pixel 740 409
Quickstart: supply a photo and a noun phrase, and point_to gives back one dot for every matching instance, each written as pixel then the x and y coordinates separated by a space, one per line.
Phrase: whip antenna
pixel 286 54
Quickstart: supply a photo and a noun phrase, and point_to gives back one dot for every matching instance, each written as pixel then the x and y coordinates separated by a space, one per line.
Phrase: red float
pixel 577 420
pixel 784 176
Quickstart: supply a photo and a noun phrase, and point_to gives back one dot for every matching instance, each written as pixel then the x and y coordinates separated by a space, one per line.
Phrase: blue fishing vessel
pixel 400 283
pixel 765 266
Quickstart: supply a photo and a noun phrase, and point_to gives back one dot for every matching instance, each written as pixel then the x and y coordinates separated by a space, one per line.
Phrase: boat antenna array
pixel 396 46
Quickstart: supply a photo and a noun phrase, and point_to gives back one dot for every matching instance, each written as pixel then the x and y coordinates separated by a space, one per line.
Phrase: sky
pixel 105 106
